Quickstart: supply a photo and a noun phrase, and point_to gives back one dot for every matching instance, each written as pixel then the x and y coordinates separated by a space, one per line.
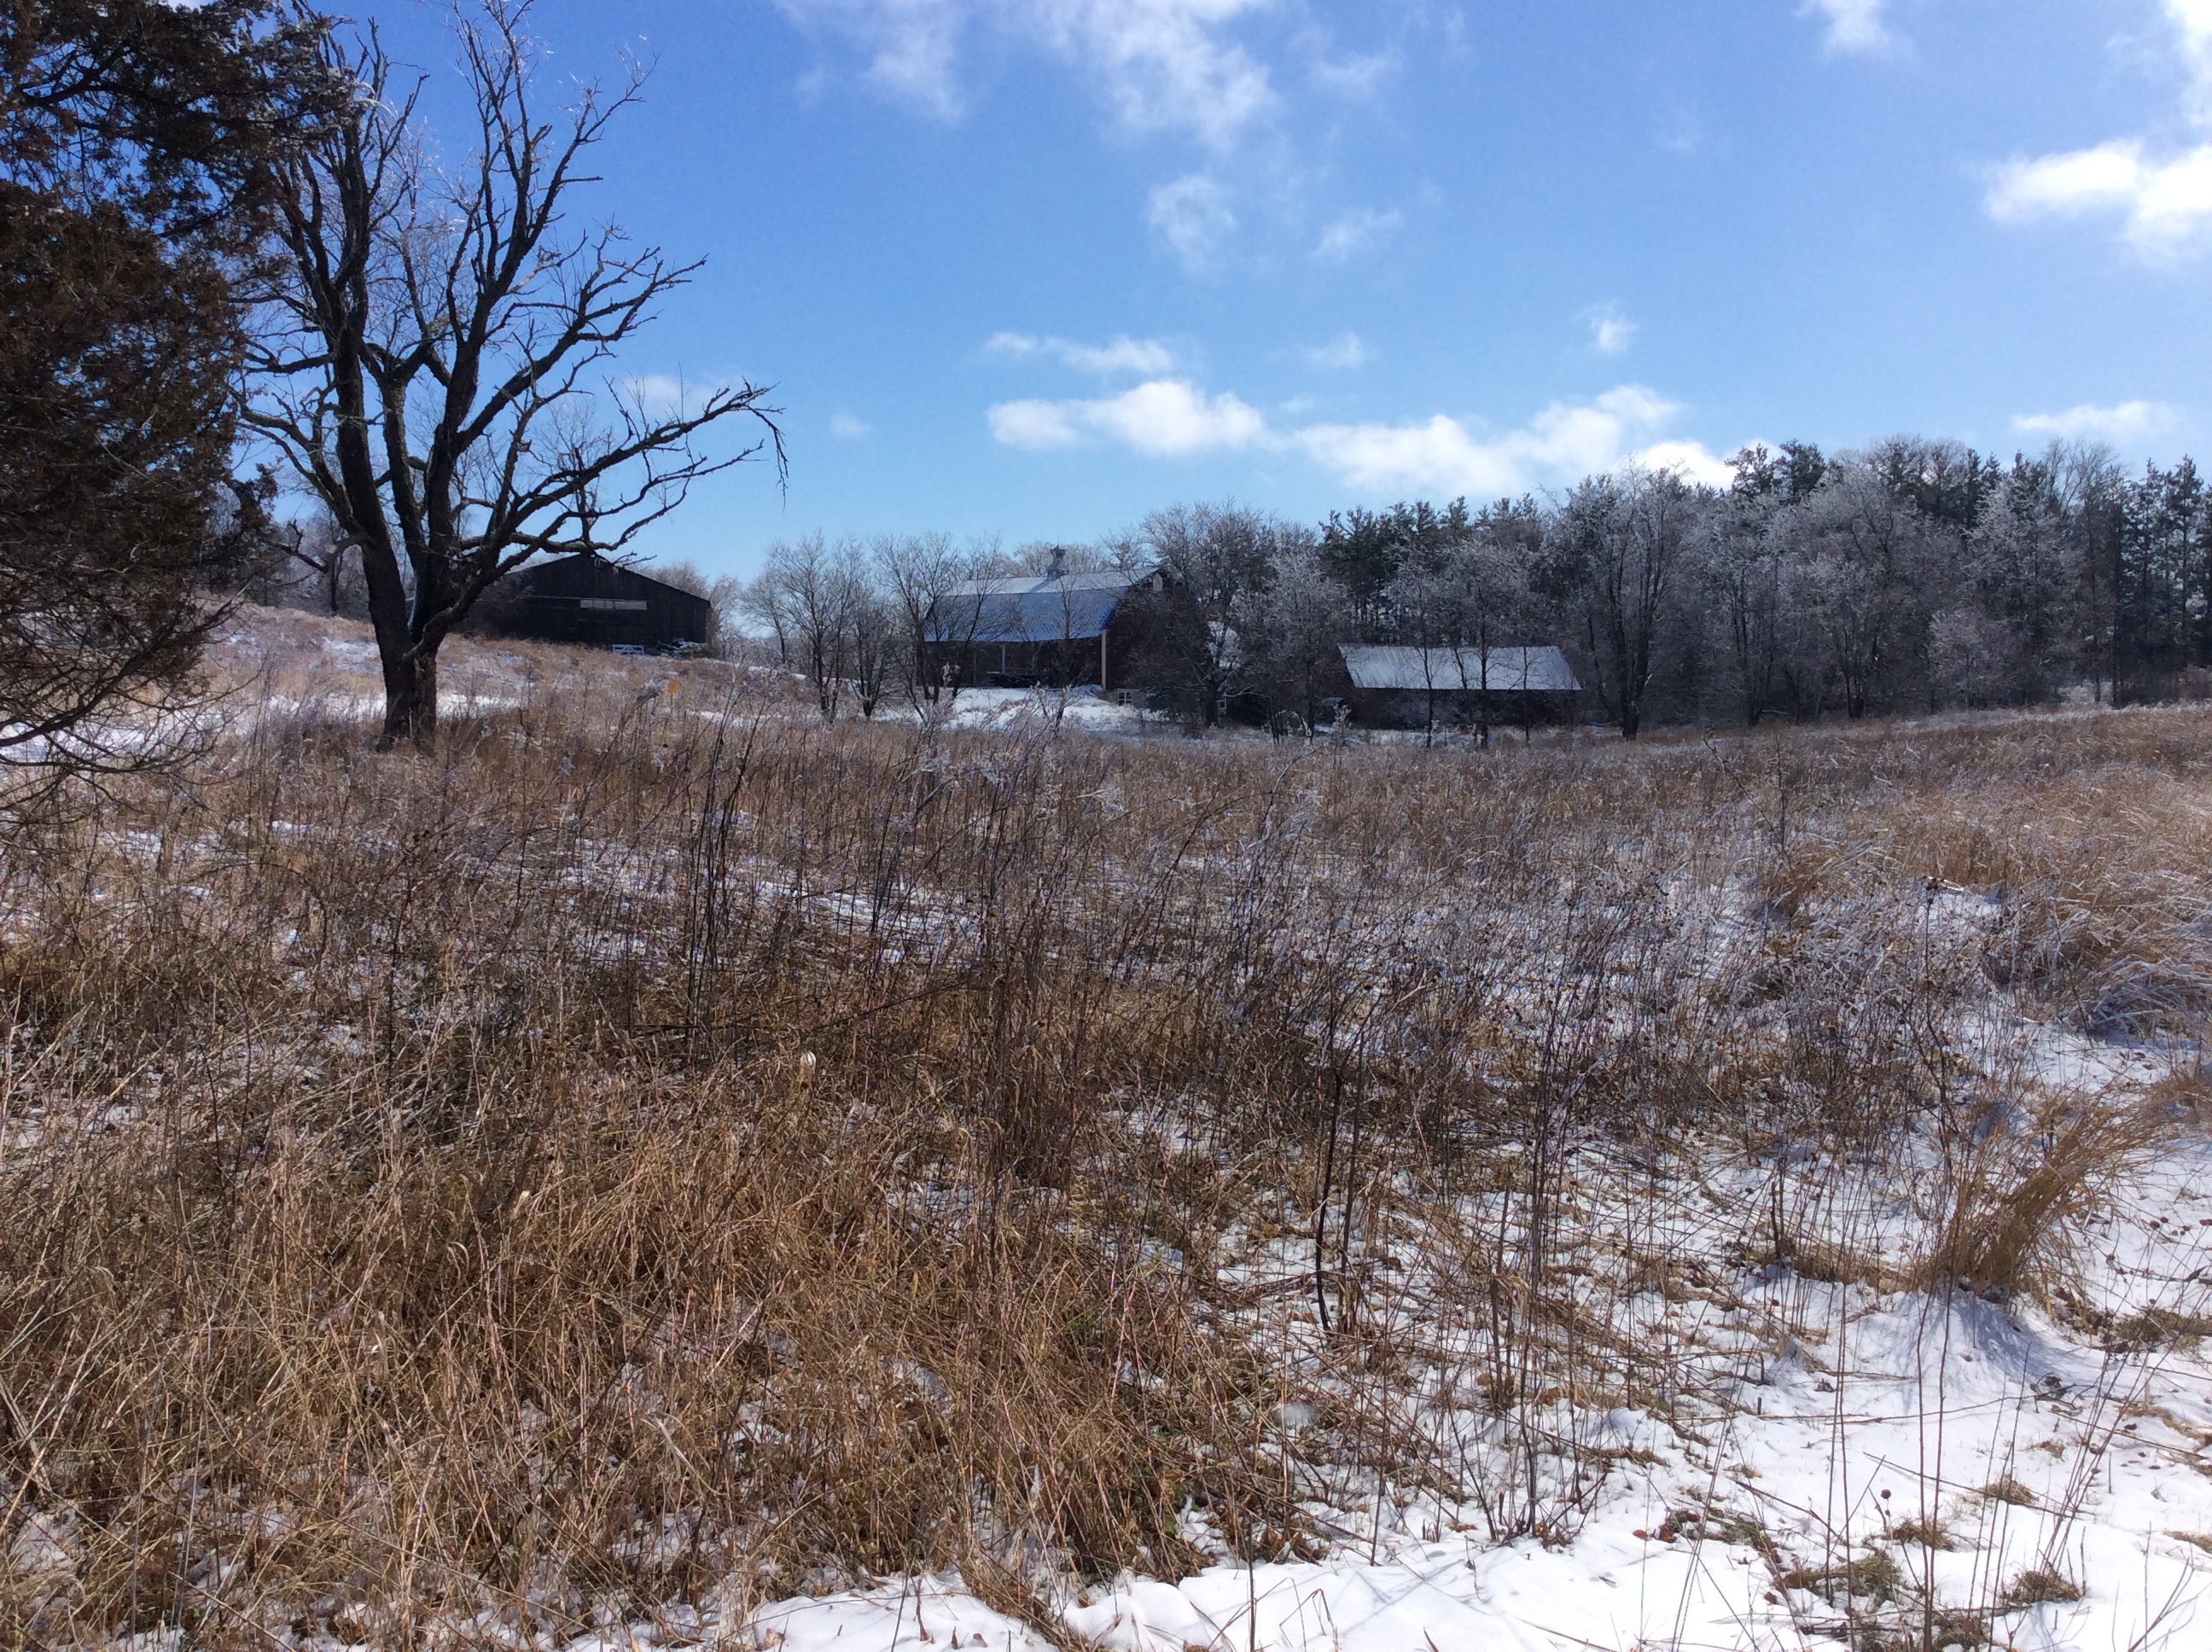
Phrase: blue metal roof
pixel 1071 608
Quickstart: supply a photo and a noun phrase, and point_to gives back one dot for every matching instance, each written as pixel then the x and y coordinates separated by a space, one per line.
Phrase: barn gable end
pixel 596 604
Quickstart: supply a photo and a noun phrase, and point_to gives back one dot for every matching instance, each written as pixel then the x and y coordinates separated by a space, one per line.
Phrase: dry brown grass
pixel 659 1147
pixel 2010 1198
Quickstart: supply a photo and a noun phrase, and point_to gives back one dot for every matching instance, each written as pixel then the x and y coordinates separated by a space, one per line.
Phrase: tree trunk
pixel 410 702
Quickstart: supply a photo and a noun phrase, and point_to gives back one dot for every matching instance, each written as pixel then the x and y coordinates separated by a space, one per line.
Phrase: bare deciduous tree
pixel 428 367
pixel 1865 549
pixel 1741 574
pixel 1292 631
pixel 1455 598
pixel 313 554
pixel 1217 558
pixel 872 630
pixel 1613 556
pixel 936 621
pixel 803 597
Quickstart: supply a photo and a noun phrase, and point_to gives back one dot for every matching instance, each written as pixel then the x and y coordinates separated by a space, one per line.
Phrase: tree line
pixel 235 267
pixel 1910 576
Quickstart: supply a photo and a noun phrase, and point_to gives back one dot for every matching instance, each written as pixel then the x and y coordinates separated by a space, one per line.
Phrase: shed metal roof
pixel 1506 670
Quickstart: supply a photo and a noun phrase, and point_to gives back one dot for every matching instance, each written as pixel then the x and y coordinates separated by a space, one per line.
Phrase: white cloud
pixel 2192 21
pixel 1161 417
pixel 1342 353
pixel 846 426
pixel 1692 461
pixel 2164 202
pixel 1036 425
pixel 1193 216
pixel 1161 64
pixel 2130 421
pixel 912 44
pixel 662 394
pixel 1120 354
pixel 1855 27
pixel 1357 77
pixel 1173 418
pixel 1563 443
pixel 1611 331
pixel 1361 231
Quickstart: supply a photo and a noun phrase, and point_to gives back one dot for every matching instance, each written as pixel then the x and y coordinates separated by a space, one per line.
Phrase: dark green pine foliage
pixel 132 136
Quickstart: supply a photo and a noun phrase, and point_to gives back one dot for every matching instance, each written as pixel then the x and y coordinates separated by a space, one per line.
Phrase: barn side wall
pixel 1407 708
pixel 593 603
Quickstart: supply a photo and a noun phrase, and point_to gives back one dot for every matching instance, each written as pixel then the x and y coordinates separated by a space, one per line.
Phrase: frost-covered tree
pixel 1612 561
pixel 1292 629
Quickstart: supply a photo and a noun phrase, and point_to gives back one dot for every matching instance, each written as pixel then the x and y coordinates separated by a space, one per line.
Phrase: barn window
pixel 623 604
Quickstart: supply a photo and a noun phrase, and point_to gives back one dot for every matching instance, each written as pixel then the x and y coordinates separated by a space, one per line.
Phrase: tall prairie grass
pixel 659 1151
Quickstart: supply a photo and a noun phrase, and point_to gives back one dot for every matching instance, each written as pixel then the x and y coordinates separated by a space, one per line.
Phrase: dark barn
pixel 1408 688
pixel 1055 629
pixel 596 604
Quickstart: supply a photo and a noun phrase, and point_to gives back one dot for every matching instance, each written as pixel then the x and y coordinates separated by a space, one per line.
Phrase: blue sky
pixel 1029 268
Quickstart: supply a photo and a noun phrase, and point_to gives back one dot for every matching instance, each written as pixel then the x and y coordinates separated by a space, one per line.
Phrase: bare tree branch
pixel 434 372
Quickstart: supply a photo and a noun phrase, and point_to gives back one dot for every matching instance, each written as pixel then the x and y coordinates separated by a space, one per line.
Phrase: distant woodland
pixel 1910 577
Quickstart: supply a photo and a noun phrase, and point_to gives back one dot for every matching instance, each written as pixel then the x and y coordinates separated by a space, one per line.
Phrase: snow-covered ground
pixel 281 660
pixel 1843 1463
pixel 1020 709
pixel 285 660
pixel 1845 1458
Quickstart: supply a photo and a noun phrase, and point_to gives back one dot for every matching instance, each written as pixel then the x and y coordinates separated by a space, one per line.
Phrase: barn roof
pixel 587 561
pixel 1034 607
pixel 1535 671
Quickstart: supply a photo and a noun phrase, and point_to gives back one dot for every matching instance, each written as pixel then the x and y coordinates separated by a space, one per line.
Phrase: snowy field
pixel 1784 1220
pixel 1906 1470
pixel 1887 1468
pixel 285 662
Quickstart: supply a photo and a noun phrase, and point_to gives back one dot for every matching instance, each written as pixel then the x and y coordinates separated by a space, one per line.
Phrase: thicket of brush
pixel 656 1150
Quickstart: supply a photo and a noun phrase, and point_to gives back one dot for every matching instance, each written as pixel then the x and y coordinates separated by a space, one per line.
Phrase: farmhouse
pixel 1396 687
pixel 589 600
pixel 1057 629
